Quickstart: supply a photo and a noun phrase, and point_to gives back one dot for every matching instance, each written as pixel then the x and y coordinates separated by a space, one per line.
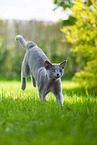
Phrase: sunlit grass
pixel 25 120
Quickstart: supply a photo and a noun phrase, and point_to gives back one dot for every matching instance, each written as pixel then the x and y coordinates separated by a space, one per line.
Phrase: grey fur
pixel 45 75
pixel 25 44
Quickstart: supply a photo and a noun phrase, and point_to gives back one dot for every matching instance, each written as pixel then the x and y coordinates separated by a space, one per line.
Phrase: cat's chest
pixel 49 85
pixel 47 88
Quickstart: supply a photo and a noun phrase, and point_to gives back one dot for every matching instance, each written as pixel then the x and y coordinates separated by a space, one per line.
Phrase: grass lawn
pixel 25 120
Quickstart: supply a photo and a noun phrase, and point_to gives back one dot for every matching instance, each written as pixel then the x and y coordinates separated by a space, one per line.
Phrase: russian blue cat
pixel 44 74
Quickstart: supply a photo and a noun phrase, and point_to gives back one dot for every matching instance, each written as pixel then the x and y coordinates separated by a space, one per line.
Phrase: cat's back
pixel 36 57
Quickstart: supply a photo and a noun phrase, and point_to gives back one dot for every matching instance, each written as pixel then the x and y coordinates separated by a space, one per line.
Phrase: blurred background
pixel 63 29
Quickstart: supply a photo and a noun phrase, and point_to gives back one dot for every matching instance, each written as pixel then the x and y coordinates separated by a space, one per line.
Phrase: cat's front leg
pixel 41 94
pixel 59 97
pixel 57 91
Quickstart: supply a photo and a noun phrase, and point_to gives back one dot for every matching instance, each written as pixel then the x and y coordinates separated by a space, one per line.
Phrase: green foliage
pixel 25 120
pixel 83 36
pixel 63 3
pixel 70 21
pixel 3 50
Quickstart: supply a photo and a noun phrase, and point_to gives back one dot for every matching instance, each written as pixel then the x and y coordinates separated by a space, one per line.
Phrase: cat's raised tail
pixel 25 44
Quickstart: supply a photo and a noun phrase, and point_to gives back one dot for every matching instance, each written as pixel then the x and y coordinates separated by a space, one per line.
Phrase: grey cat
pixel 44 74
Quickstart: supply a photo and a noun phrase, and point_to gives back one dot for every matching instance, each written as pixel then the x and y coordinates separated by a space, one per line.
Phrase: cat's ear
pixel 62 64
pixel 47 64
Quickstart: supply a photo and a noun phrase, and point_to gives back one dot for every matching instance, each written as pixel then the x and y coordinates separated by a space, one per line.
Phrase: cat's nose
pixel 57 75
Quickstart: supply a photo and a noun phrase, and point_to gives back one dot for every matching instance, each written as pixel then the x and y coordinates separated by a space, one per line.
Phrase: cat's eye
pixel 53 70
pixel 60 70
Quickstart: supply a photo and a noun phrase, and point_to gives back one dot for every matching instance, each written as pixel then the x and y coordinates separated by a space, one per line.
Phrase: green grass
pixel 25 120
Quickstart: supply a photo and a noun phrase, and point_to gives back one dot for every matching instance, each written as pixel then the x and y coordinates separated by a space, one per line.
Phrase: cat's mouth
pixel 57 77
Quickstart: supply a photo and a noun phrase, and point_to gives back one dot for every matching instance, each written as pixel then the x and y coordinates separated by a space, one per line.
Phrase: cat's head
pixel 54 71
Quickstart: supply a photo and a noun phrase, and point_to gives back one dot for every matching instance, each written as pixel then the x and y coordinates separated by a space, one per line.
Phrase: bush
pixel 83 36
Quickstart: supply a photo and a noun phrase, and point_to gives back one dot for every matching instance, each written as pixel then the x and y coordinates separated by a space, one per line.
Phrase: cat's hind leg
pixel 40 94
pixel 23 83
pixel 24 74
pixel 33 81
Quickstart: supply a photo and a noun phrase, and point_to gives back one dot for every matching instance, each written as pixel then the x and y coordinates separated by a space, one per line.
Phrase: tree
pixel 63 3
pixel 83 36
pixel 70 3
